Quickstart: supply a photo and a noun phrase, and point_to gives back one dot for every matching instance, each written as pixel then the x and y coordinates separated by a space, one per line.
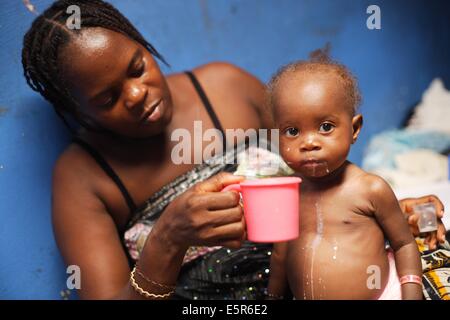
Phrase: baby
pixel 346 214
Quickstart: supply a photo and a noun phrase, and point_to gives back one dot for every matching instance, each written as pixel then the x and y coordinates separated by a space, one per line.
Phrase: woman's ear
pixel 357 122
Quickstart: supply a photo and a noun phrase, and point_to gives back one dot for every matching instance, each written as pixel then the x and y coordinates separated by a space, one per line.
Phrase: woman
pixel 117 195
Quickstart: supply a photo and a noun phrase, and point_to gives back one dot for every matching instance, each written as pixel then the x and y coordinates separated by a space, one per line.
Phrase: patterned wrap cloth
pixel 436 270
pixel 211 272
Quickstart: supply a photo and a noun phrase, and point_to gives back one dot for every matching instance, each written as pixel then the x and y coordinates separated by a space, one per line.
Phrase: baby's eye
pixel 326 127
pixel 291 132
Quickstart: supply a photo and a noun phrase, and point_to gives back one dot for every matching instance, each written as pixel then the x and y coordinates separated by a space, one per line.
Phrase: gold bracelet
pixel 144 293
pixel 164 286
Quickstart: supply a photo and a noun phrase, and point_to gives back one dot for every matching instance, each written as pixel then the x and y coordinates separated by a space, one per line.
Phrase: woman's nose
pixel 135 94
pixel 310 143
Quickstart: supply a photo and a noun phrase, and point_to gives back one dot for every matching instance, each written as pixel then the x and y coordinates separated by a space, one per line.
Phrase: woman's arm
pixel 435 237
pixel 390 218
pixel 87 235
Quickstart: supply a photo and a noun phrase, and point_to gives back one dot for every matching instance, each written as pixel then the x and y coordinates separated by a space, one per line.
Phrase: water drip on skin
pixel 327 171
pixel 304 287
pixel 324 272
pixel 319 221
pixel 322 285
pixel 335 249
pixel 319 171
pixel 306 275
pixel 316 242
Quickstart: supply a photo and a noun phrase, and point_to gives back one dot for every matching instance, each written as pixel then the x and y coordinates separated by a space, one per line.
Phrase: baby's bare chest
pixel 338 210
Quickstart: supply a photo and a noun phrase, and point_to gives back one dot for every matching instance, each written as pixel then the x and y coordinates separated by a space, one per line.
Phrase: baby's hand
pixel 433 237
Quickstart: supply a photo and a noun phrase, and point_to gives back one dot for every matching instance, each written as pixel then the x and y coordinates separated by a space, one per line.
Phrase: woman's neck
pixel 127 149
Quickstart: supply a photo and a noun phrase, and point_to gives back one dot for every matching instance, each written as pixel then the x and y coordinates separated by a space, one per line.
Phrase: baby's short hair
pixel 319 62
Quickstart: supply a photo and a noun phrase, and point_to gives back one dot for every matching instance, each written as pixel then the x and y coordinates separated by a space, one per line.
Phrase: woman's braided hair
pixel 49 33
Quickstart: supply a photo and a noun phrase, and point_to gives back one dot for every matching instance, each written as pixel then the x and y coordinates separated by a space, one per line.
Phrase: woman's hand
pixel 205 216
pixel 434 237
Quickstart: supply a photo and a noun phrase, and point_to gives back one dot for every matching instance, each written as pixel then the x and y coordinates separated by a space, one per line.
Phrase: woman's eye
pixel 291 132
pixel 326 127
pixel 108 103
pixel 138 70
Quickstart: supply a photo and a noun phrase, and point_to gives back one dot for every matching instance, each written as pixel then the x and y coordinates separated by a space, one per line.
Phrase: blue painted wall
pixel 394 65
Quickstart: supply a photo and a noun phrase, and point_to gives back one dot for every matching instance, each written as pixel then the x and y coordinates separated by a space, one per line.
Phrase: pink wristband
pixel 410 278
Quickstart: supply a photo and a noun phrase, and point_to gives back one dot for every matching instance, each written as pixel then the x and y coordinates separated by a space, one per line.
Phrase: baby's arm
pixel 278 280
pixel 395 228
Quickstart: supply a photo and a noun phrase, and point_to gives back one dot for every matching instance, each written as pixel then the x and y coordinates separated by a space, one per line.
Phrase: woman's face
pixel 117 83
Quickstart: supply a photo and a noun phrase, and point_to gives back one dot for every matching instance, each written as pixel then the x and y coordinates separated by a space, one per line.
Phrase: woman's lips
pixel 153 114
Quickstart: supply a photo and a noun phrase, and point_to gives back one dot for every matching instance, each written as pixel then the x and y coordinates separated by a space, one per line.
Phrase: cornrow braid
pixel 319 61
pixel 48 34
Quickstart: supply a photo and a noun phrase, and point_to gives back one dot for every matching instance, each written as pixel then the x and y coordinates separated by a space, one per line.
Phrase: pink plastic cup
pixel 270 208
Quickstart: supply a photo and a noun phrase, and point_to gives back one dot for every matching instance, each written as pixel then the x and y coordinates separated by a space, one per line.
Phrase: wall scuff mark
pixel 3 111
pixel 30 6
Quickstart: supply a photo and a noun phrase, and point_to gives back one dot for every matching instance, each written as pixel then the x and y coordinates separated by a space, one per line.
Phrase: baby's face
pixel 316 125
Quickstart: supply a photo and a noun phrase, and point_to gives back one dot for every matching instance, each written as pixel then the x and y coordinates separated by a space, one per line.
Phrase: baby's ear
pixel 357 122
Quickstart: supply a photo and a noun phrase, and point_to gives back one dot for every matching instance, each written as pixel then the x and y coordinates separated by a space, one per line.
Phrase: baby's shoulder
pixel 370 184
